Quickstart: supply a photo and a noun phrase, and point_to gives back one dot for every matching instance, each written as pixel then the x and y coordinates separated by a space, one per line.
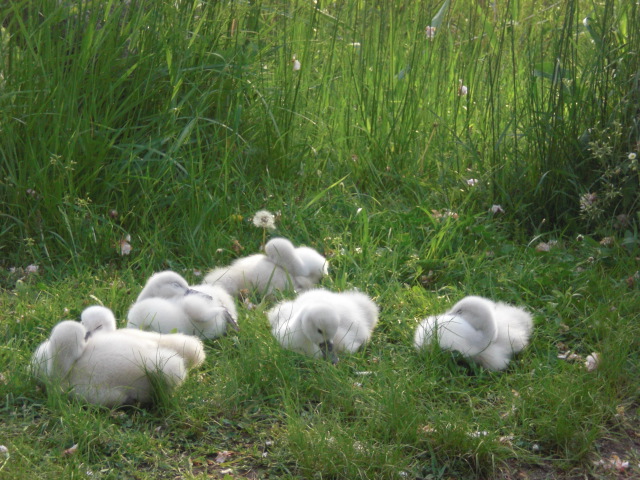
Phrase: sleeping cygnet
pixel 105 370
pixel 484 331
pixel 282 267
pixel 98 320
pixel 323 323
pixel 167 304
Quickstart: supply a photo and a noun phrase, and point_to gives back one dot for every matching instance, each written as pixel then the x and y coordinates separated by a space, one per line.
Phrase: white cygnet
pixel 282 267
pixel 321 323
pixel 167 304
pixel 98 320
pixel 484 331
pixel 104 370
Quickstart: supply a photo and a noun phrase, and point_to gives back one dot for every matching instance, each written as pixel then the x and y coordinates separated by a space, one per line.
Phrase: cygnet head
pixel 97 319
pixel 168 285
pixel 479 313
pixel 320 325
pixel 66 344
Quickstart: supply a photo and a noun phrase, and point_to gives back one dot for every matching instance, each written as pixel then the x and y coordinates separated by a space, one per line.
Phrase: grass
pixel 174 122
pixel 385 412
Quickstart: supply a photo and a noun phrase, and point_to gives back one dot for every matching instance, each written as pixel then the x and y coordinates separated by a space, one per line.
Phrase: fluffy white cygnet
pixel 282 267
pixel 487 332
pixel 98 320
pixel 105 370
pixel 320 323
pixel 167 304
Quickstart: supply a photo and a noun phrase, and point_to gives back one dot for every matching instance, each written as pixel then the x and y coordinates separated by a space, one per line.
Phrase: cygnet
pixel 167 304
pixel 105 370
pixel 98 320
pixel 322 323
pixel 282 267
pixel 482 330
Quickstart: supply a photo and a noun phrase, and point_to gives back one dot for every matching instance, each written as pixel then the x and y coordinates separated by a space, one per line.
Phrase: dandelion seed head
pixel 264 219
pixel 632 156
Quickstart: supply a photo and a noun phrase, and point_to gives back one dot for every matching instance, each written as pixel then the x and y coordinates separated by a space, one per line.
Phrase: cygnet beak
pixel 89 333
pixel 231 321
pixel 191 291
pixel 327 352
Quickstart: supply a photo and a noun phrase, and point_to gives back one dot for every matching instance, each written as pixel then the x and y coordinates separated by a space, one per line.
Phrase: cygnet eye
pixel 176 284
pixel 320 331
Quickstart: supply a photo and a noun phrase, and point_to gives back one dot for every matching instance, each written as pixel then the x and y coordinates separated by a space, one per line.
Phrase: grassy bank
pixel 167 125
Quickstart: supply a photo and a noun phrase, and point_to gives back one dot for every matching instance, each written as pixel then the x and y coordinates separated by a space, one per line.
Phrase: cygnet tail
pixel 189 347
pixel 282 252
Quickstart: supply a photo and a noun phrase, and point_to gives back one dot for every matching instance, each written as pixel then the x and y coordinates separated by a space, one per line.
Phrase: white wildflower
pixel 125 246
pixel 592 362
pixel 495 209
pixel 607 241
pixel 632 156
pixel 296 64
pixel 264 219
pixel 32 269
pixel 472 182
pixel 587 200
pixel 585 22
pixel 543 247
pixel 462 89
pixel 430 32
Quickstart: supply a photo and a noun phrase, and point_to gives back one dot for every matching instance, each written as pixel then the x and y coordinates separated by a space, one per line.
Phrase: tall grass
pixel 193 111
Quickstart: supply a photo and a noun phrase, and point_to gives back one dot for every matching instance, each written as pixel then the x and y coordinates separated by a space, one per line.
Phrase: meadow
pixel 430 150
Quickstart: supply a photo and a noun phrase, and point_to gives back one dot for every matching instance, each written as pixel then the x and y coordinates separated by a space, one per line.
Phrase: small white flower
pixel 264 219
pixel 70 451
pixel 585 22
pixel 543 247
pixel 632 156
pixel 296 64
pixel 430 32
pixel 462 89
pixel 4 450
pixel 495 209
pixel 354 44
pixel 31 269
pixel 472 182
pixel 592 362
pixel 125 246
pixel 587 200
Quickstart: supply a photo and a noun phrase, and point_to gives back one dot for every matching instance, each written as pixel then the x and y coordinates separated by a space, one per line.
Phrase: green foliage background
pixel 191 111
